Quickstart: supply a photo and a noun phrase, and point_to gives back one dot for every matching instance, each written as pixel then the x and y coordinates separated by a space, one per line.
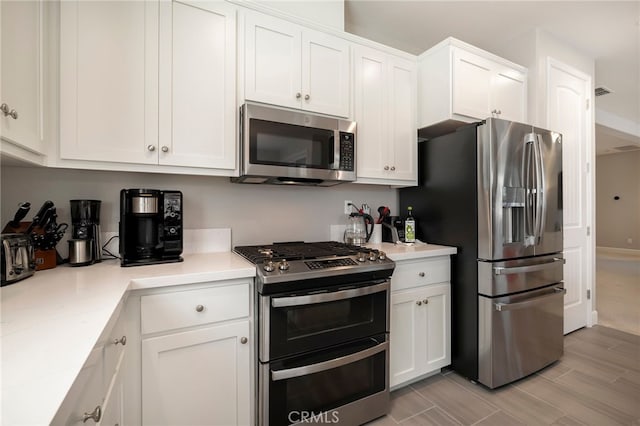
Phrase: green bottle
pixel 410 227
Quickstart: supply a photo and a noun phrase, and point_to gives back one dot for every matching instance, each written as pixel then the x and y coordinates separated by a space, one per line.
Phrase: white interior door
pixel 568 98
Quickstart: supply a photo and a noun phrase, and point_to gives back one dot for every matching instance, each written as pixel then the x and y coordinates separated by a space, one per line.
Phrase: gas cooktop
pixel 318 262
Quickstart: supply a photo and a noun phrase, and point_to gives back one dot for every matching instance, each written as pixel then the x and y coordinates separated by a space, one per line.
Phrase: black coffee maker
pixel 85 225
pixel 150 226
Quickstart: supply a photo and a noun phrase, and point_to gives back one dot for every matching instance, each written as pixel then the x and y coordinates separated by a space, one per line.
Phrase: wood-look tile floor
pixel 596 382
pixel 618 291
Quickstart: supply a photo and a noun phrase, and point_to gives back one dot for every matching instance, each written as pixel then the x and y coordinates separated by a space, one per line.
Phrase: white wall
pixel 256 213
pixel 618 220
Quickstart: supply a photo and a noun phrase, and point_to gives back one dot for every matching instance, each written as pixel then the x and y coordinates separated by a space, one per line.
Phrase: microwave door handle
pixel 283 302
pixel 327 365
pixel 502 307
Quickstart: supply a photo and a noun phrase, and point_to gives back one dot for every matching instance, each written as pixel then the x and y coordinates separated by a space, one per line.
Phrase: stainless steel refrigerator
pixel 494 190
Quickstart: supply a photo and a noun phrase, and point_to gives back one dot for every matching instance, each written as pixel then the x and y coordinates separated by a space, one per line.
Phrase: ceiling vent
pixel 603 90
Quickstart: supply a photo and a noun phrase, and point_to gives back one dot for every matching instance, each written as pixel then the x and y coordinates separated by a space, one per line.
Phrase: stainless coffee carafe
pixel 85 224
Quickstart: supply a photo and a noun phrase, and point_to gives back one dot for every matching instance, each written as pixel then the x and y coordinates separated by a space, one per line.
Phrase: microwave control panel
pixel 347 150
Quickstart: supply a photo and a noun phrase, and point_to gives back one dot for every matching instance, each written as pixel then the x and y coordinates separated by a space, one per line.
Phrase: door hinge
pixel 588 294
pixel 588 231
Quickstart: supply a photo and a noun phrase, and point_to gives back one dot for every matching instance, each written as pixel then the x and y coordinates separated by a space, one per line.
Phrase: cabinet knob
pixel 298 95
pixel 95 415
pixel 151 148
pixel 393 168
pixel 307 97
pixel 4 108
pixel 386 167
pixel 165 148
pixel 496 112
pixel 121 341
pixel 425 301
pixel 419 303
pixel 244 340
pixel 421 274
pixel 199 308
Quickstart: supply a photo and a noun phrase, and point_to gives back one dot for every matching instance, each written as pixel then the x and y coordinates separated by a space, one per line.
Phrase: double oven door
pixel 324 355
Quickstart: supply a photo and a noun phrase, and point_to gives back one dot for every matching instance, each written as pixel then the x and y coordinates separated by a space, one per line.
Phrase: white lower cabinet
pixel 420 324
pixel 195 355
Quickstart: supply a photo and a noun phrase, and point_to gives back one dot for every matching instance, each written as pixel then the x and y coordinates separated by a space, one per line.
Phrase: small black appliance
pixel 150 226
pixel 85 225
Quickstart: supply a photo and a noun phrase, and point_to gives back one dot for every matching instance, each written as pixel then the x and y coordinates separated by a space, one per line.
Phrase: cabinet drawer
pixel 180 309
pixel 419 272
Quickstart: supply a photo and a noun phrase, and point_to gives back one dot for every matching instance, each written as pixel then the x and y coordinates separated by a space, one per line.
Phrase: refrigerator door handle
pixel 529 302
pixel 528 184
pixel 501 270
pixel 540 189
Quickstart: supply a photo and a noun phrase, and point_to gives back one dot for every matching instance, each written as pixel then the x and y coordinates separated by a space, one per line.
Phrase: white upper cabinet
pixel 385 112
pixel 109 81
pixel 21 116
pixel 148 83
pixel 459 83
pixel 292 66
pixel 197 85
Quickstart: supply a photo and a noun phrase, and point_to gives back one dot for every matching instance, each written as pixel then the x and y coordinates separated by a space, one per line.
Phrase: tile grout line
pixel 486 417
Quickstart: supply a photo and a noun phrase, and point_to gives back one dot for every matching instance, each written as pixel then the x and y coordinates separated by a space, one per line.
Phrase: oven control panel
pixel 329 263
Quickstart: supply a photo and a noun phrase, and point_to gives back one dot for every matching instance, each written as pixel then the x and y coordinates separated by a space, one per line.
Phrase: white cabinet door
pixel 471 83
pixel 22 73
pixel 407 338
pixel 197 84
pixel 371 112
pixel 109 81
pixel 509 94
pixel 197 377
pixel 272 61
pixel 420 332
pixel 402 120
pixel 385 110
pixel 325 71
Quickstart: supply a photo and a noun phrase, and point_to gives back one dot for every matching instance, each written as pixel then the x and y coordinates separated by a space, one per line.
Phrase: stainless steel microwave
pixel 280 146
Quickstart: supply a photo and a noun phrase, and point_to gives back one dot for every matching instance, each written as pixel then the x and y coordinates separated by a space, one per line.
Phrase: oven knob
pixel 361 257
pixel 284 265
pixel 269 266
pixel 373 256
pixel 382 255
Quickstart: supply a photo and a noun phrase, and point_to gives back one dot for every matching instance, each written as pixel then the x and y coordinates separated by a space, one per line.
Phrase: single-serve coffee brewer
pixel 85 247
pixel 150 226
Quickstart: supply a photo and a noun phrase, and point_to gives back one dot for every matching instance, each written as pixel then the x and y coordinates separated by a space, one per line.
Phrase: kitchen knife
pixel 36 219
pixel 20 214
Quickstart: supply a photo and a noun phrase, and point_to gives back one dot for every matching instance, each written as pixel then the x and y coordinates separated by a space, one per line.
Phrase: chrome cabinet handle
pixel 199 308
pixel 386 167
pixel 151 148
pixel 121 341
pixel 307 97
pixel 393 168
pixel 425 301
pixel 496 112
pixel 244 340
pixel 95 415
pixel 421 274
pixel 4 108
pixel 298 95
pixel 165 148
pixel 419 303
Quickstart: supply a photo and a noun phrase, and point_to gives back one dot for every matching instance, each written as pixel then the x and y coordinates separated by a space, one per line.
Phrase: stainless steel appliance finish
pixel 144 204
pixel 323 324
pixel 519 334
pixel 80 252
pixel 279 146
pixel 18 258
pixel 493 189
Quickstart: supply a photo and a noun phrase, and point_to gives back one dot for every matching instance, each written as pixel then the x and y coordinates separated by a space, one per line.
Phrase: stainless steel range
pixel 323 332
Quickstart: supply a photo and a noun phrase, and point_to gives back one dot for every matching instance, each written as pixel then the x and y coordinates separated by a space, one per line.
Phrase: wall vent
pixel 603 90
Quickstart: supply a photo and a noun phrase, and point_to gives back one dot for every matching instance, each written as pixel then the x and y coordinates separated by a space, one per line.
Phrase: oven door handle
pixel 281 302
pixel 328 365
pixel 501 270
pixel 530 302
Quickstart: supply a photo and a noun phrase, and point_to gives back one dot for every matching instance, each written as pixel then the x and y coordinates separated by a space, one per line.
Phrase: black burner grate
pixel 297 250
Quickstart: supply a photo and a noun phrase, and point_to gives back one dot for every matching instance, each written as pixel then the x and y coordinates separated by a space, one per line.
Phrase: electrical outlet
pixel 347 206
pixel 629 241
